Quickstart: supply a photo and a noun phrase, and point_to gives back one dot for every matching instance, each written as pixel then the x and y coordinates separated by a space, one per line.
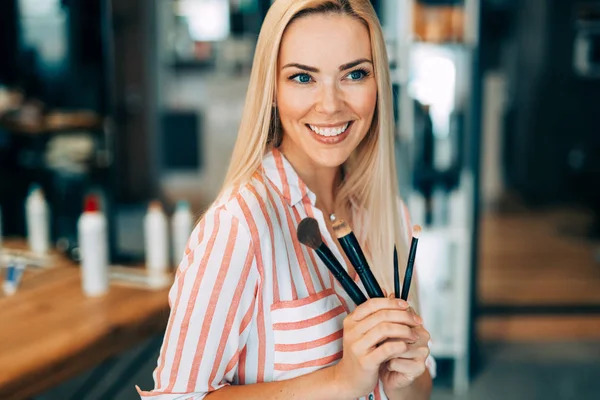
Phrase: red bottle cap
pixel 91 203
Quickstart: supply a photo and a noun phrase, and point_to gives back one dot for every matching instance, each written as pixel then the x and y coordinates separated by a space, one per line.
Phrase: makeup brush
pixel 309 235
pixel 396 275
pixel 354 253
pixel 411 262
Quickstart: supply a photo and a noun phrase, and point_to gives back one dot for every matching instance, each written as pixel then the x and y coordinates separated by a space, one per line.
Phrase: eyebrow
pixel 342 67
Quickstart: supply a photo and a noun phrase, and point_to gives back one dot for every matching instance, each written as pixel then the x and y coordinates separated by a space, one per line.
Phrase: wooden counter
pixel 50 332
pixel 529 258
pixel 538 259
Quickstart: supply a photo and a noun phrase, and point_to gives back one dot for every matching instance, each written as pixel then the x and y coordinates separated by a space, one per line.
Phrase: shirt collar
pixel 284 177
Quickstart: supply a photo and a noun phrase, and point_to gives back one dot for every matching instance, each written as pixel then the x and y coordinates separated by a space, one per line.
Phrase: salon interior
pixel 130 109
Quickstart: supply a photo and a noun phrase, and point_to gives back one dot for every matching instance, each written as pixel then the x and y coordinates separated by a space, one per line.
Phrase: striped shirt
pixel 250 303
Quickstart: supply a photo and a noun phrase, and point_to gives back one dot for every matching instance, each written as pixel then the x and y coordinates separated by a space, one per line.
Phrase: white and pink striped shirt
pixel 250 303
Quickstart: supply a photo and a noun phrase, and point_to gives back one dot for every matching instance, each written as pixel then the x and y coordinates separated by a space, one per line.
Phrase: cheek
pixel 291 104
pixel 365 101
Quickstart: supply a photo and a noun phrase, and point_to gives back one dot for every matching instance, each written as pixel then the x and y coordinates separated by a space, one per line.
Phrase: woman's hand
pixel 401 371
pixel 366 344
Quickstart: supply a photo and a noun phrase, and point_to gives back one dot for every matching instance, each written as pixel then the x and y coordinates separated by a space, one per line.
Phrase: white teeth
pixel 330 131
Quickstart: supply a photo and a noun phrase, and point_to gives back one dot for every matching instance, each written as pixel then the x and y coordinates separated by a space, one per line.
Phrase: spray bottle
pixel 156 239
pixel 93 248
pixel 38 221
pixel 182 225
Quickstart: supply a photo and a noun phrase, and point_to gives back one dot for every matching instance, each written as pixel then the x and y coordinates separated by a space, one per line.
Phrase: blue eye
pixel 358 74
pixel 301 78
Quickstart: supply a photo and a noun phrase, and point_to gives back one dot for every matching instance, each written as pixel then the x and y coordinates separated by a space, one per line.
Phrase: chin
pixel 330 158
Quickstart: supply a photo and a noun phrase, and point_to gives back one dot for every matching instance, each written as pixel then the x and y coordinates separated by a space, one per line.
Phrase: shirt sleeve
pixel 212 308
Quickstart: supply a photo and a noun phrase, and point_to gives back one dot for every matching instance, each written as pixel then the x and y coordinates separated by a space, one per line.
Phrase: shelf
pixel 54 122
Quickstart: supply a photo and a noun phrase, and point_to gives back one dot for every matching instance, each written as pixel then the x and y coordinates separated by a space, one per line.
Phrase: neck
pixel 322 181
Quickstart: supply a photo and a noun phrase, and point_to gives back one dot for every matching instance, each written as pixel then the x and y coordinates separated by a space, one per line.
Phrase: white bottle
pixel 38 221
pixel 181 225
pixel 156 239
pixel 93 249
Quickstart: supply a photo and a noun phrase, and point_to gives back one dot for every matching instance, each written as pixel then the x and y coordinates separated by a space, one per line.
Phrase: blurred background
pixel 498 153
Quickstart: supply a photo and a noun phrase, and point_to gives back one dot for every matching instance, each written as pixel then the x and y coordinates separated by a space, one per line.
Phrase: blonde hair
pixel 374 186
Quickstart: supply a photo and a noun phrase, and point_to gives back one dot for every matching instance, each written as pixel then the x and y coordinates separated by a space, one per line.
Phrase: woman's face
pixel 326 90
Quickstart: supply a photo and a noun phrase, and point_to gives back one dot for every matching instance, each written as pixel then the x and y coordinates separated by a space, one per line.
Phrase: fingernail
pixel 418 319
pixel 402 303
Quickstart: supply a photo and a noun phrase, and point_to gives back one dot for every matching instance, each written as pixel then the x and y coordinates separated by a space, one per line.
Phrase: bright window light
pixel 434 83
pixel 208 20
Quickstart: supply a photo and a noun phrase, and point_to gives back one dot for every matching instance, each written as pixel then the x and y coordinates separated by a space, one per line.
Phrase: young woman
pixel 255 314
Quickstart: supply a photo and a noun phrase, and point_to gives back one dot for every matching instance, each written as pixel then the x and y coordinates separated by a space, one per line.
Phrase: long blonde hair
pixel 374 186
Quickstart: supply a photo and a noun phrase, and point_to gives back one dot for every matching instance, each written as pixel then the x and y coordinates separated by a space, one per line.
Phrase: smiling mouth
pixel 330 131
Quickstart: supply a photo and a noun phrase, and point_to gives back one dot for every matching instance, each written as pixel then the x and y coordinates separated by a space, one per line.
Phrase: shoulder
pixel 251 201
pixel 224 230
pixel 247 206
pixel 217 227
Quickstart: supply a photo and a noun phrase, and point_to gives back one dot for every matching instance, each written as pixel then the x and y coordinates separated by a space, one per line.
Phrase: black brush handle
pixel 396 275
pixel 341 275
pixel 359 261
pixel 409 269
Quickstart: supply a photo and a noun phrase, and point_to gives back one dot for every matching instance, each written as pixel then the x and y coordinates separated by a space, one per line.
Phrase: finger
pixel 413 312
pixel 423 335
pixel 373 305
pixel 410 368
pixel 418 353
pixel 382 316
pixel 387 351
pixel 383 332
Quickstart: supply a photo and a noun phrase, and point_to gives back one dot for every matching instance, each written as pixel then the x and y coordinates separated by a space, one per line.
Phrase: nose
pixel 330 99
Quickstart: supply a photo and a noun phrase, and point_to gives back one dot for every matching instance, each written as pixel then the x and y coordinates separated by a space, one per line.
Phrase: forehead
pixel 325 39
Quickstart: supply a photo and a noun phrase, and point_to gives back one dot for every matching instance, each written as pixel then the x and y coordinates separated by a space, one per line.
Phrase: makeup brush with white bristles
pixel 411 262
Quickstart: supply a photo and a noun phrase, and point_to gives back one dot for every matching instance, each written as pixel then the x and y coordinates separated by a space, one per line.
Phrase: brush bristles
pixel 341 228
pixel 416 231
pixel 309 234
